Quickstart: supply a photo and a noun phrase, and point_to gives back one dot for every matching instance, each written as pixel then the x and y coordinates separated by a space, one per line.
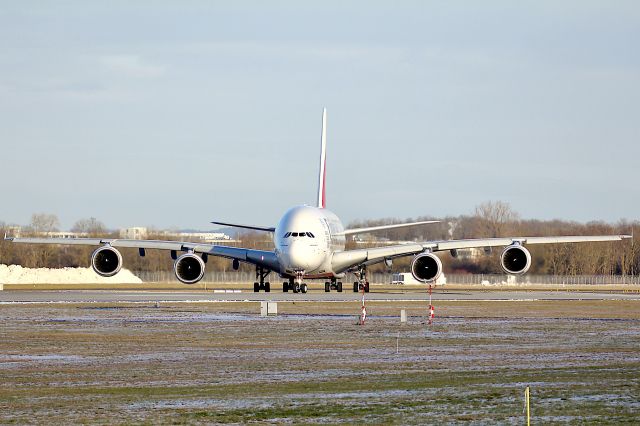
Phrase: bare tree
pixel 91 226
pixel 495 218
pixel 42 255
pixel 44 222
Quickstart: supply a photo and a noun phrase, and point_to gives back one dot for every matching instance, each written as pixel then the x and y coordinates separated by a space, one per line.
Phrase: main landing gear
pixel 362 283
pixel 295 284
pixel 261 274
pixel 333 285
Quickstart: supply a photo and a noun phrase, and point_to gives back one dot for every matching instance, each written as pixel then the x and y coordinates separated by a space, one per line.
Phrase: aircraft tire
pixel 256 287
pixel 285 287
pixel 303 288
pixel 355 287
pixel 340 287
pixel 327 287
pixel 366 287
pixel 267 287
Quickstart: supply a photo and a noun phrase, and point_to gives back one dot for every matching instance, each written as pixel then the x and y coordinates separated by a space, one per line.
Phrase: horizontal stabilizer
pixel 383 227
pixel 255 228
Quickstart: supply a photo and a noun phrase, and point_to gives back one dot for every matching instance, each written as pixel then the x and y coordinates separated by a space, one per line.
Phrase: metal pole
pixel 526 401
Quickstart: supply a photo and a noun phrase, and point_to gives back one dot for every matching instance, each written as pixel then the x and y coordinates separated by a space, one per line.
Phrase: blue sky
pixel 176 113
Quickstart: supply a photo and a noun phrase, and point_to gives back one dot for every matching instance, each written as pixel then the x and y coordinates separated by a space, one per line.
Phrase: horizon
pixel 443 219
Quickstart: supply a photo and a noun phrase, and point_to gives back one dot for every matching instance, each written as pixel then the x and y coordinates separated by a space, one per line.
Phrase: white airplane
pixel 309 245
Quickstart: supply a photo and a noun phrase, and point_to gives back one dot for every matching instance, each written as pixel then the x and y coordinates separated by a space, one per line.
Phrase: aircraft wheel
pixel 285 287
pixel 296 288
pixel 303 288
pixel 327 287
pixel 256 287
pixel 267 287
pixel 355 287
pixel 366 287
pixel 340 287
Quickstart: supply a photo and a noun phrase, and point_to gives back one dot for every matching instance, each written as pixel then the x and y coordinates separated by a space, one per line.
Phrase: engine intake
pixel 426 267
pixel 515 259
pixel 106 261
pixel 189 268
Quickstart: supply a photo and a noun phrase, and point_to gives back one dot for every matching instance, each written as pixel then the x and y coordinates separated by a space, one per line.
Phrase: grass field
pixel 223 363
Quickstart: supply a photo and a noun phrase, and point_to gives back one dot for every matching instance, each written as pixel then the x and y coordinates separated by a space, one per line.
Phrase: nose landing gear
pixel 300 288
pixel 295 284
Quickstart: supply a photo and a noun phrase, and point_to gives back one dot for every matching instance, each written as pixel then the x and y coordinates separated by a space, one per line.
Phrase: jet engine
pixel 515 259
pixel 426 267
pixel 106 261
pixel 189 268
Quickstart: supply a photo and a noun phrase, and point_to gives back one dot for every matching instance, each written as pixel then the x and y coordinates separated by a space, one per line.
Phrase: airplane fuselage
pixel 305 239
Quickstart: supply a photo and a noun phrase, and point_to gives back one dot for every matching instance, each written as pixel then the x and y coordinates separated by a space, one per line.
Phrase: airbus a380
pixel 310 244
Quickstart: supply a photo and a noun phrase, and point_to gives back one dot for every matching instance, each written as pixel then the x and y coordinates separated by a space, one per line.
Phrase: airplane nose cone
pixel 301 256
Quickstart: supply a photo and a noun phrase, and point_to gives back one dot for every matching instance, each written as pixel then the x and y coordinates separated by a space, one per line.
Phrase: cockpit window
pixel 299 234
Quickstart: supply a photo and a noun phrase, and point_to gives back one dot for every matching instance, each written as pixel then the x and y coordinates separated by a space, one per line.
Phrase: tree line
pixel 497 219
pixel 490 219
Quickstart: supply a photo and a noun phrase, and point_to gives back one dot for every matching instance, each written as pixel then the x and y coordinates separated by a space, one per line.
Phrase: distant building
pixel 136 233
pixel 16 231
pixel 471 253
pixel 206 237
pixel 13 231
pixel 141 233
pixel 65 234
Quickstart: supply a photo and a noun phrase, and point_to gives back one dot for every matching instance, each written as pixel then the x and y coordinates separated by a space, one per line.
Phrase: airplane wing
pixel 498 242
pixel 263 258
pixel 343 261
pixel 383 227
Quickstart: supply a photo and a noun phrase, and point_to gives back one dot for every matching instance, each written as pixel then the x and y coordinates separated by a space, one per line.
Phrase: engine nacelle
pixel 106 261
pixel 515 259
pixel 189 268
pixel 426 267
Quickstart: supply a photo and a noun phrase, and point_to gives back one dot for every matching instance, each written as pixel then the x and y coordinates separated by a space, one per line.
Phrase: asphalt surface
pixel 114 296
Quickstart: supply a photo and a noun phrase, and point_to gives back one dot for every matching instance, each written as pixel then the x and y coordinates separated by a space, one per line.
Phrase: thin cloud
pixel 131 66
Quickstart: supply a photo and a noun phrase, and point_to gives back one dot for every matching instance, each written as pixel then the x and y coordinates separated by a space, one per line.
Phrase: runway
pixel 137 296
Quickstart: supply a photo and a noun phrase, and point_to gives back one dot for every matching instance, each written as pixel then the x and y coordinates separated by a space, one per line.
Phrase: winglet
pixel 322 200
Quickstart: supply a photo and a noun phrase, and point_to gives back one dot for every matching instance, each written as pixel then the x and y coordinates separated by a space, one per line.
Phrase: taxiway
pixel 114 296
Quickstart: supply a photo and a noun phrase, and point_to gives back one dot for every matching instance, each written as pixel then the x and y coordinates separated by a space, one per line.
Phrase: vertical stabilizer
pixel 323 163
